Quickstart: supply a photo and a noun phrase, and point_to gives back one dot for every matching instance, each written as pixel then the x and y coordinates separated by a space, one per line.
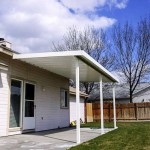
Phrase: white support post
pixel 114 107
pixel 77 103
pixel 101 108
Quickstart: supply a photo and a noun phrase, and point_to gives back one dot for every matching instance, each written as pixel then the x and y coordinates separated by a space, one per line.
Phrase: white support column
pixel 77 103
pixel 101 108
pixel 114 107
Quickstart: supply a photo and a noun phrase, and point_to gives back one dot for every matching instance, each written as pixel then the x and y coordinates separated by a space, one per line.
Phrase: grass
pixel 97 125
pixel 128 136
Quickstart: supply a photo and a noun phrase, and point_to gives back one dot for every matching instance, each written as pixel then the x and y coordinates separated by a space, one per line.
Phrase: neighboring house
pixel 141 94
pixel 72 102
pixel 34 88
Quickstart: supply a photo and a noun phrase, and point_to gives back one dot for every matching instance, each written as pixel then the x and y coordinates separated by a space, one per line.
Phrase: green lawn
pixel 128 136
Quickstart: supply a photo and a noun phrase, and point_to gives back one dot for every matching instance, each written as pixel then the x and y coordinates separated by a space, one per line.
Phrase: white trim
pixel 48 54
pixel 77 102
pixel 78 53
pixel 23 116
pixel 3 66
pixel 14 129
pixel 64 90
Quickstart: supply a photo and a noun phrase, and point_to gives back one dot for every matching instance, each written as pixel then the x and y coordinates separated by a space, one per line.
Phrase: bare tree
pixel 132 46
pixel 93 42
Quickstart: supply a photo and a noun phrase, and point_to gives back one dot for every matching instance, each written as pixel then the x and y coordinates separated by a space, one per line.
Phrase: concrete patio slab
pixel 59 139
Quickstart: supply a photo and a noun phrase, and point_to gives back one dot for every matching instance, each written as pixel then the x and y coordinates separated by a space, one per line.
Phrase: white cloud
pixel 83 5
pixel 120 4
pixel 32 25
pixel 80 6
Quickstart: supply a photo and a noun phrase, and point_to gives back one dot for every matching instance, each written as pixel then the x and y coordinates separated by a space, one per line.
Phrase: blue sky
pixel 134 10
pixel 32 25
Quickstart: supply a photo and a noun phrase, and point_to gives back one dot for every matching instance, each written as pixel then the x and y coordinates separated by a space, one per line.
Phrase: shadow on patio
pixel 69 134
pixel 58 139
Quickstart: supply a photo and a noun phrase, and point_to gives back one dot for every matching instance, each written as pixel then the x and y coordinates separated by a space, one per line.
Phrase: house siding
pixel 3 102
pixel 48 113
pixel 73 108
pixel 142 96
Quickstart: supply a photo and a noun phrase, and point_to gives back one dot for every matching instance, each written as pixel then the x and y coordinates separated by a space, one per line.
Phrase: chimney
pixel 5 43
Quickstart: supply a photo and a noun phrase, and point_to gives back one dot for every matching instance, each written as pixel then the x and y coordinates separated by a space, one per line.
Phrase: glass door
pixel 29 112
pixel 15 104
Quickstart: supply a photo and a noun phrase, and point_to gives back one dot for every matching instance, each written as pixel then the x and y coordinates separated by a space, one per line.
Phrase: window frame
pixel 64 90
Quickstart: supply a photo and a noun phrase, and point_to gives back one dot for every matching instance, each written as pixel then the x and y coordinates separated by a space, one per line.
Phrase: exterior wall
pixel 3 102
pixel 48 113
pixel 73 108
pixel 143 96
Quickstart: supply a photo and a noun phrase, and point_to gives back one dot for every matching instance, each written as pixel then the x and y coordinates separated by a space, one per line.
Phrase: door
pixel 29 107
pixel 15 104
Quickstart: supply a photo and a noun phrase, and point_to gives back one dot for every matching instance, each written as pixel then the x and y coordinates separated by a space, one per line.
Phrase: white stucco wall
pixel 73 108
pixel 48 113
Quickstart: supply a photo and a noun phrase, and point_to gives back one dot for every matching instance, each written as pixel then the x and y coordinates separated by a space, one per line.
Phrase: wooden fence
pixel 131 111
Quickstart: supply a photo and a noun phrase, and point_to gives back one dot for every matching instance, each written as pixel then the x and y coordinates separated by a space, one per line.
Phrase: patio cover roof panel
pixel 64 64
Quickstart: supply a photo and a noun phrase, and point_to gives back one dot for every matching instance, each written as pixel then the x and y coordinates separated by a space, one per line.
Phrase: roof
pixel 72 91
pixel 7 51
pixel 64 63
pixel 121 90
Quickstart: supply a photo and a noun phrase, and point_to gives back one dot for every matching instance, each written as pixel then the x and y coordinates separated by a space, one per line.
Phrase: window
pixel 15 103
pixel 64 98
pixel 29 100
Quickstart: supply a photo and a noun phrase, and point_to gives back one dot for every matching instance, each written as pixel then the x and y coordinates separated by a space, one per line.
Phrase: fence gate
pixel 89 112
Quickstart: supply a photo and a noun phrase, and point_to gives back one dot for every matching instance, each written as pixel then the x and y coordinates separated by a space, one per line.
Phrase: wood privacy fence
pixel 131 111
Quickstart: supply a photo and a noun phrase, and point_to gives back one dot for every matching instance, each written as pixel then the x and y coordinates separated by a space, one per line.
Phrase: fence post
pixel 93 115
pixel 85 112
pixel 109 112
pixel 136 111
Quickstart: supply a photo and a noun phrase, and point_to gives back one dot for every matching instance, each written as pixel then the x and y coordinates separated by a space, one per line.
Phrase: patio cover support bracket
pixel 114 107
pixel 77 103
pixel 101 108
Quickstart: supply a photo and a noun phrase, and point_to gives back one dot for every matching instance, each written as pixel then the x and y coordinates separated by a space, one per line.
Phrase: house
pixel 29 88
pixel 141 94
pixel 34 88
pixel 72 103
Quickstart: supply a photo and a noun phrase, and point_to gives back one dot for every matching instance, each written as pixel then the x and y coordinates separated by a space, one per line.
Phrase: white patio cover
pixel 76 65
pixel 64 64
